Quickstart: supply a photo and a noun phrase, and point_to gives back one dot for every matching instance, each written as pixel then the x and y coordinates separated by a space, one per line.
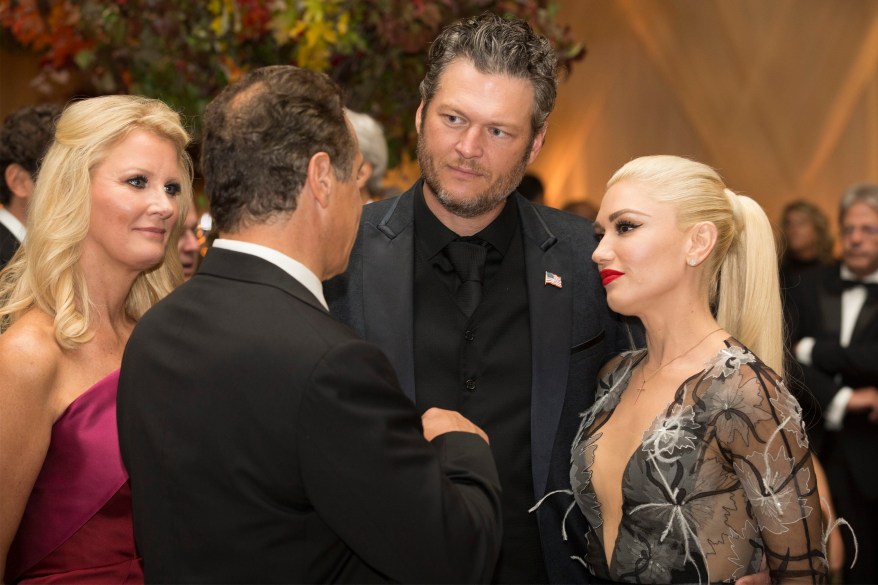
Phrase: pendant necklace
pixel 644 379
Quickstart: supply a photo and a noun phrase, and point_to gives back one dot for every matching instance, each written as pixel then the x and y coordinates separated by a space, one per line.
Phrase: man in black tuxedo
pixel 833 316
pixel 24 139
pixel 486 303
pixel 265 441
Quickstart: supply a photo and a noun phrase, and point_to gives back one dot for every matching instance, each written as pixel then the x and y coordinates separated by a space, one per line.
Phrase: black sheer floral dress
pixel 723 476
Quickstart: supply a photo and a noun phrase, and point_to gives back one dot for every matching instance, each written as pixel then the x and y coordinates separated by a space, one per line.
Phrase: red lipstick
pixel 608 276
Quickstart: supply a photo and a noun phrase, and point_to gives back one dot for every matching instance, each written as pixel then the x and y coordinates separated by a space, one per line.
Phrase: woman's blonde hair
pixel 741 276
pixel 45 270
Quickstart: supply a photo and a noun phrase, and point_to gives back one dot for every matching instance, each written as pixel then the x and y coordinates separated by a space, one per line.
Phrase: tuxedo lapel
pixel 830 304
pixel 550 310
pixel 866 320
pixel 388 284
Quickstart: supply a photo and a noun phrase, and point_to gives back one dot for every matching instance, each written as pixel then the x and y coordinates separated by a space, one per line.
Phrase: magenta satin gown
pixel 77 524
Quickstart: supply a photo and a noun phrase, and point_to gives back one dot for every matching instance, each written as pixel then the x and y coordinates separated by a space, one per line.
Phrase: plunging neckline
pixel 717 480
pixel 662 414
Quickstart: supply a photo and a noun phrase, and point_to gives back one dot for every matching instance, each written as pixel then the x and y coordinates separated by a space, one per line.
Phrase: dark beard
pixel 484 202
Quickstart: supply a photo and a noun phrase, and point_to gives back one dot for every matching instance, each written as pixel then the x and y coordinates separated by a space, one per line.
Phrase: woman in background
pixel 100 250
pixel 807 241
pixel 693 464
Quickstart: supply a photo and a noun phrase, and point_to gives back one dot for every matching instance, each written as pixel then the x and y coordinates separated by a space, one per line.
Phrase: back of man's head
pixel 259 135
pixel 24 140
pixel 499 47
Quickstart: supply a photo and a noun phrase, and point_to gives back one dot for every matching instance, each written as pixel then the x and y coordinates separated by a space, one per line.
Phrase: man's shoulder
pixel 568 230
pixel 374 213
pixel 816 279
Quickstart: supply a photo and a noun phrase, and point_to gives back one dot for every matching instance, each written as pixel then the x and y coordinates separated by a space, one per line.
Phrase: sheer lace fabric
pixel 722 477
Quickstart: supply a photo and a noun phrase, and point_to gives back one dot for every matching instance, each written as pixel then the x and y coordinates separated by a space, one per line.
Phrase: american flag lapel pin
pixel 553 279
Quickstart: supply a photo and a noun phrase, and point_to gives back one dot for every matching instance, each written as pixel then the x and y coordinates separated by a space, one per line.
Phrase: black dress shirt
pixel 481 365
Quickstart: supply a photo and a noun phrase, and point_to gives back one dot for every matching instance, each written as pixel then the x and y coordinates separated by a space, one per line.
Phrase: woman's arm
pixel 27 372
pixel 776 471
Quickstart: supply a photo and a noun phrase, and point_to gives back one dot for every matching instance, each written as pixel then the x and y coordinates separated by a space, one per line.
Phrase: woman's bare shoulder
pixel 29 356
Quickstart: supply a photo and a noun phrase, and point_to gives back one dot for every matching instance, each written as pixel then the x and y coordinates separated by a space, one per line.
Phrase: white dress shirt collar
pixel 12 224
pixel 292 267
pixel 846 274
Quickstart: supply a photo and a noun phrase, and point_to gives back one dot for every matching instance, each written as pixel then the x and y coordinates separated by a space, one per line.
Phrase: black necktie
pixel 468 260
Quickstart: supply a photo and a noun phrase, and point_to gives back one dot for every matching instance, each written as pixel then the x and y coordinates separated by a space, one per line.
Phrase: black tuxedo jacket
pixel 267 443
pixel 814 310
pixel 572 334
pixel 8 245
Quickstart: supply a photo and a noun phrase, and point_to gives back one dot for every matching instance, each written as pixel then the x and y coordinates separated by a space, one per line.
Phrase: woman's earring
pixel 691 262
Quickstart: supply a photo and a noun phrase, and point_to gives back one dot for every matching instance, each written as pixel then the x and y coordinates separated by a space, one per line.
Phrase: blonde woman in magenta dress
pixel 693 464
pixel 99 251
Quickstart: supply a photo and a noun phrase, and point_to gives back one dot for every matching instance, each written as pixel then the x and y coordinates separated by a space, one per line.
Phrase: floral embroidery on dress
pixel 671 435
pixel 786 402
pixel 648 561
pixel 732 411
pixel 722 477
pixel 776 498
pixel 740 544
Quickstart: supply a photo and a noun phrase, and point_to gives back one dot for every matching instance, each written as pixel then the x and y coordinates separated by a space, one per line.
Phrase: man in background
pixel 373 146
pixel 188 246
pixel 24 140
pixel 833 321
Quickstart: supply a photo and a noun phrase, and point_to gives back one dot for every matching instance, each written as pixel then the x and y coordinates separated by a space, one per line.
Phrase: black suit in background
pixel 267 443
pixel 8 245
pixel 572 332
pixel 814 310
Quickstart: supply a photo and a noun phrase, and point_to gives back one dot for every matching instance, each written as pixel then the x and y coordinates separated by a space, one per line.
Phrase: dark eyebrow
pixel 616 214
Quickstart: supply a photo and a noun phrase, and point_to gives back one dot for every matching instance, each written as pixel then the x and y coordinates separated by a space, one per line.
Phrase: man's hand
pixel 865 399
pixel 438 421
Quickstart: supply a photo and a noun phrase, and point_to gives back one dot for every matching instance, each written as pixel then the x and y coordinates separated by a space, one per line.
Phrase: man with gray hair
pixel 486 303
pixel 373 146
pixel 833 317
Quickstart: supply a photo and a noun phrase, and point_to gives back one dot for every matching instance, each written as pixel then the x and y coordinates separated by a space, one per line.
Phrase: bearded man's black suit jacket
pixel 572 335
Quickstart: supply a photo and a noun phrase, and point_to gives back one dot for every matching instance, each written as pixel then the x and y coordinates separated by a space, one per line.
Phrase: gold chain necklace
pixel 644 379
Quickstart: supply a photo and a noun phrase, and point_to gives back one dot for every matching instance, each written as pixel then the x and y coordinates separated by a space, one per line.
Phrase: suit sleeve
pixel 856 362
pixel 414 511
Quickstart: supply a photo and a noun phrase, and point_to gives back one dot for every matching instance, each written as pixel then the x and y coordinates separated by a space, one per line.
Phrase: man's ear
pixel 19 180
pixel 702 239
pixel 320 178
pixel 419 117
pixel 537 146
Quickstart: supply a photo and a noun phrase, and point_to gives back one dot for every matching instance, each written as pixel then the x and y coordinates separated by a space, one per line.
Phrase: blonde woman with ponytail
pixel 693 463
pixel 100 250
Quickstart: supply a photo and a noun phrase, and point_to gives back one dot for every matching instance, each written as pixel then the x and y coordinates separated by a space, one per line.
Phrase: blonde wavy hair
pixel 45 270
pixel 741 276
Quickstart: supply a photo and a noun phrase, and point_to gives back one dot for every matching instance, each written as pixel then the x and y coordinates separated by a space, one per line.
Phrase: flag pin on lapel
pixel 553 279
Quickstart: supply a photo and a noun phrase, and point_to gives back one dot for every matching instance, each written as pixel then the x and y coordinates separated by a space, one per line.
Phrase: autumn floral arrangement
pixel 185 51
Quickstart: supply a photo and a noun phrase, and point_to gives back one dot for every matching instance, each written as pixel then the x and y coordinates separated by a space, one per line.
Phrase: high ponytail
pixel 748 303
pixel 741 273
